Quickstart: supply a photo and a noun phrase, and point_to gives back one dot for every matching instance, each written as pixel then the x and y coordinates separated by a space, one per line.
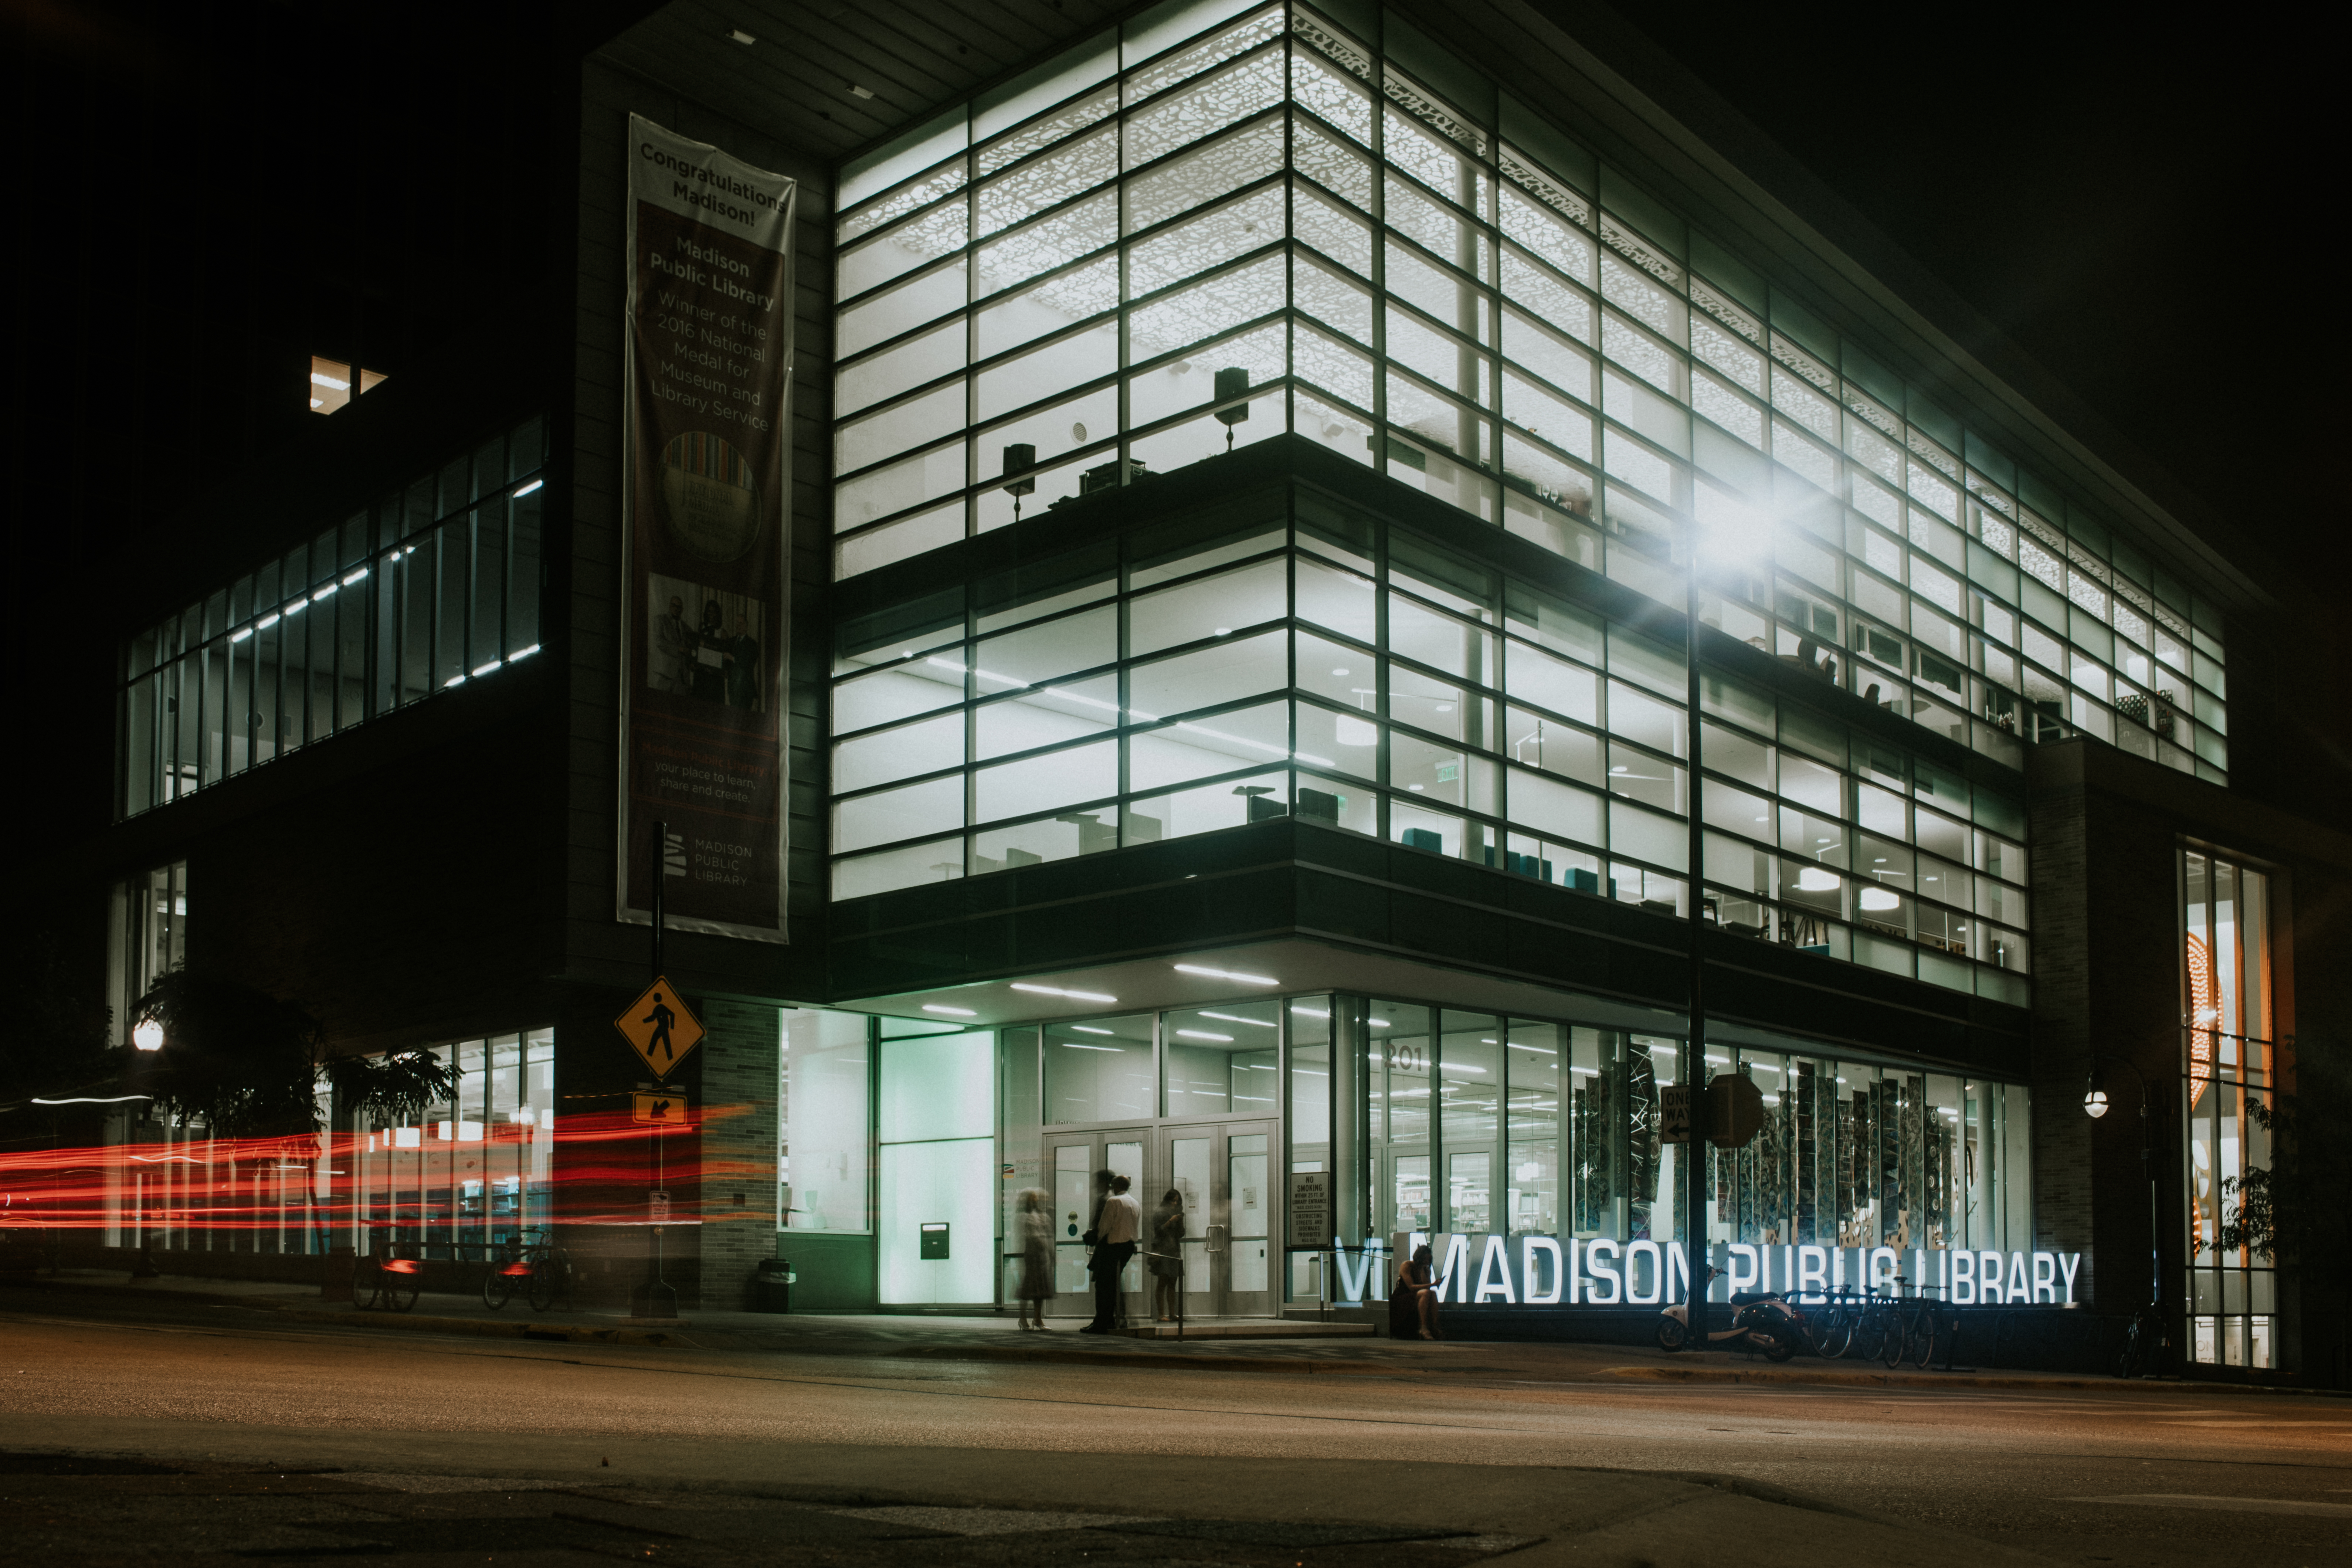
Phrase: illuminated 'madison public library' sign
pixel 1544 1271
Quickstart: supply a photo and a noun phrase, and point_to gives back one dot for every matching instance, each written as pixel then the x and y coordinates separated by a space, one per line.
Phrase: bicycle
pixel 395 1281
pixel 505 1265
pixel 1834 1325
pixel 2145 1342
pixel 1887 1327
pixel 1912 1333
pixel 540 1269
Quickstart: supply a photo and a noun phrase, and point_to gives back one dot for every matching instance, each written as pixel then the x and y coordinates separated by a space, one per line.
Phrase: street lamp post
pixel 1695 1212
pixel 2094 1106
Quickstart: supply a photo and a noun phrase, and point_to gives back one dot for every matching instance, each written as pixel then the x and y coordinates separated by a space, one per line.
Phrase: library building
pixel 1314 606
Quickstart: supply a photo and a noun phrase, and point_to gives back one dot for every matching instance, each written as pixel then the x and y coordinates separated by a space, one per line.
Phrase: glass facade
pixel 823 1086
pixel 1481 1125
pixel 935 1140
pixel 1295 657
pixel 2229 1090
pixel 472 1170
pixel 436 585
pixel 1223 222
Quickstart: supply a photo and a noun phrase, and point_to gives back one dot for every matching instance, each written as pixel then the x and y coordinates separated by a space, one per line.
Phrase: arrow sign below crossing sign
pixel 660 1028
pixel 659 1108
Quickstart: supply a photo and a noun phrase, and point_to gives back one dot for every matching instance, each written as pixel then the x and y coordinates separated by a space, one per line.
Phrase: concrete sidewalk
pixel 999 1337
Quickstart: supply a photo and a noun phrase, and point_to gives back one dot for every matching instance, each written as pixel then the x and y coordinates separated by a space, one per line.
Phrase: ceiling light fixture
pixel 741 36
pixel 858 92
pixel 1237 1018
pixel 1089 1029
pixel 1058 991
pixel 951 1012
pixel 1226 974
pixel 1203 1034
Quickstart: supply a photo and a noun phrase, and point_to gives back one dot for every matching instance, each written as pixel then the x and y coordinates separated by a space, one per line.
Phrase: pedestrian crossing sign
pixel 660 1028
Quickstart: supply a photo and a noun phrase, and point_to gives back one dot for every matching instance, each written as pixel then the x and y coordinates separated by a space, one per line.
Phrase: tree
pixel 248 1065
pixel 2292 1210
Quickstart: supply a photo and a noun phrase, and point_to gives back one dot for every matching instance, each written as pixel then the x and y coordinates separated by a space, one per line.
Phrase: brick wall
pixel 739 1146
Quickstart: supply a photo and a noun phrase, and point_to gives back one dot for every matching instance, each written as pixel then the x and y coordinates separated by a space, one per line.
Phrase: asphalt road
pixel 2132 1474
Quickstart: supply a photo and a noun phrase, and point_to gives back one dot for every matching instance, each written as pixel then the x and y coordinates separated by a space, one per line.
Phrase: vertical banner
pixel 706 560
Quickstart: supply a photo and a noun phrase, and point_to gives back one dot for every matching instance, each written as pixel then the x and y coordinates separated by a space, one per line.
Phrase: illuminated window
pixel 2228 1061
pixel 434 586
pixel 1223 221
pixel 148 937
pixel 334 383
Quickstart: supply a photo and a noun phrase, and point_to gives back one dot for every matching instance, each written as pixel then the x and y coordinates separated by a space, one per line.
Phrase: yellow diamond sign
pixel 660 1026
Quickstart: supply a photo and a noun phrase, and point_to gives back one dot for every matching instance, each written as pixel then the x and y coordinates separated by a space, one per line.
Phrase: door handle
pixel 1220 1238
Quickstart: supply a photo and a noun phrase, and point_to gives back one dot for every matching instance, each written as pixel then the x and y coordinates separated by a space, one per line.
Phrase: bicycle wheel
pixel 1869 1334
pixel 498 1287
pixel 1890 1344
pixel 1834 1330
pixel 1921 1340
pixel 550 1279
pixel 400 1290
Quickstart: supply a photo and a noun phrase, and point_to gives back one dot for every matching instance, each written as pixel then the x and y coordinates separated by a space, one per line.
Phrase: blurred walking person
pixel 1036 1221
pixel 1167 1263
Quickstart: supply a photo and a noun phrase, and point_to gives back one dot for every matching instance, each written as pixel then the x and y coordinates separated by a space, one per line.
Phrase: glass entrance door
pixel 1077 1156
pixel 1223 1173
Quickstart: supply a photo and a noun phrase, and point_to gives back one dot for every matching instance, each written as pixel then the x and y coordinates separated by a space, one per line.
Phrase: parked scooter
pixel 1761 1321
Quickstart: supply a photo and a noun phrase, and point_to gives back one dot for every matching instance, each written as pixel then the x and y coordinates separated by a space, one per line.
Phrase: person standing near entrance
pixel 1035 1233
pixel 1117 1225
pixel 1167 1263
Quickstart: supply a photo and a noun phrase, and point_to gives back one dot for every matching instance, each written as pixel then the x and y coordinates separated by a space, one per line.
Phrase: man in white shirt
pixel 1117 1227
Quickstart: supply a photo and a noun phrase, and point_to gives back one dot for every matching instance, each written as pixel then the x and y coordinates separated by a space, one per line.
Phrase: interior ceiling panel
pixel 794 80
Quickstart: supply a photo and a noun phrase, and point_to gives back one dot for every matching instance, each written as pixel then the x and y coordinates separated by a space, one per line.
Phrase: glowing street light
pixel 148 1035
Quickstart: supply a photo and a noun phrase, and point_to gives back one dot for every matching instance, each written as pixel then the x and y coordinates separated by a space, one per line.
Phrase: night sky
pixel 2140 205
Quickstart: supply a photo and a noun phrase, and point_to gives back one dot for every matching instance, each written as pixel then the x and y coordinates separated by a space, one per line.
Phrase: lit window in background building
pixel 434 586
pixel 334 383
pixel 2231 1080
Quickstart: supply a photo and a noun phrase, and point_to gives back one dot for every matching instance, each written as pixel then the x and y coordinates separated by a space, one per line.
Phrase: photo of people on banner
pixel 704 642
pixel 708 408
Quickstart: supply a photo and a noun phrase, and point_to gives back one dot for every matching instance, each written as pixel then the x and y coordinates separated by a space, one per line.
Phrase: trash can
pixel 772 1286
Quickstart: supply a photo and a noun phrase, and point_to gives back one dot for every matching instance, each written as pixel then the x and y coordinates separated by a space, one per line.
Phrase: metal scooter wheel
pixel 1673 1334
pixel 1778 1347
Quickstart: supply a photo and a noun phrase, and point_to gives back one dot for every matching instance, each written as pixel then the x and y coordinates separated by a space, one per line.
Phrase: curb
pixel 1146 1358
pixel 1884 1379
pixel 514 1329
pixel 352 1316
